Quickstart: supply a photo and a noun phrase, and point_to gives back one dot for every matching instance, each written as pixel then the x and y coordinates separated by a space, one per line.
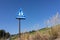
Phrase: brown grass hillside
pixel 52 33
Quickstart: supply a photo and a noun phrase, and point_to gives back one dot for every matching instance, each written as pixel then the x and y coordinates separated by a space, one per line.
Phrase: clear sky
pixel 36 12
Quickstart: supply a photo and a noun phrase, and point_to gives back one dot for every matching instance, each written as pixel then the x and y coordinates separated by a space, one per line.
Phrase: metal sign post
pixel 20 16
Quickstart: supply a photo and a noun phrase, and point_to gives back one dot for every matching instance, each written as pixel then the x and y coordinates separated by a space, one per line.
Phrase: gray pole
pixel 19 30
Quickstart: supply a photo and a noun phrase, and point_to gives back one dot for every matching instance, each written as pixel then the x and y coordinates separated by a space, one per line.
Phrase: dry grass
pixel 51 34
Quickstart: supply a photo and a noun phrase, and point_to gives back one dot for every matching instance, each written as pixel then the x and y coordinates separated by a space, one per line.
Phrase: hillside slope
pixel 51 33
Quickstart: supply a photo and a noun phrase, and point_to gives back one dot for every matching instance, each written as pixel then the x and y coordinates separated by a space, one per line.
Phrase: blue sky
pixel 36 12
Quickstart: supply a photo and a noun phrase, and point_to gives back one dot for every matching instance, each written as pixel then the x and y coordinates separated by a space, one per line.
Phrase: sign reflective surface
pixel 20 15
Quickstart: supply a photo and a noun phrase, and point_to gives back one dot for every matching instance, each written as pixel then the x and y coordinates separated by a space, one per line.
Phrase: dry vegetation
pixel 45 34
